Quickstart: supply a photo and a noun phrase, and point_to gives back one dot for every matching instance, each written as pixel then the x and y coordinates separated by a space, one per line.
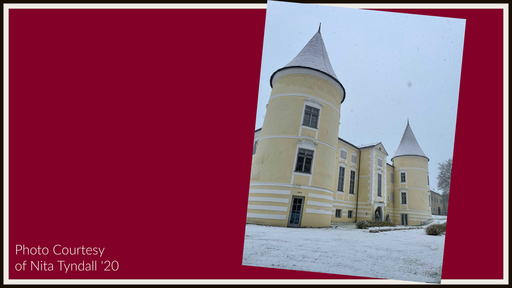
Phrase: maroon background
pixel 133 129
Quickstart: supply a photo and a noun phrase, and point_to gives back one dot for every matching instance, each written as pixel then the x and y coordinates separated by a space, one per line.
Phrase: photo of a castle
pixel 367 209
pixel 304 175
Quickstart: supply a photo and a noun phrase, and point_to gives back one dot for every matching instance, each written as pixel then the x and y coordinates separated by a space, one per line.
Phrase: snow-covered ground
pixel 409 255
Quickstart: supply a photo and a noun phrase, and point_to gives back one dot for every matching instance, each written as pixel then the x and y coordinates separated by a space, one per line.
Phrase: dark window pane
pixel 313 121
pixel 300 163
pixel 306 119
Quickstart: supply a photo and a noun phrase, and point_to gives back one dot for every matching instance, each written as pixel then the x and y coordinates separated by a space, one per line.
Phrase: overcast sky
pixel 393 66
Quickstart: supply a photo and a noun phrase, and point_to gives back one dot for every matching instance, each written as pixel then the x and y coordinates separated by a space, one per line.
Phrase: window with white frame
pixel 254 147
pixel 392 178
pixel 304 160
pixel 379 185
pixel 352 182
pixel 404 198
pixel 311 115
pixel 354 158
pixel 402 177
pixel 343 154
pixel 349 213
pixel 341 179
pixel 379 162
pixel 338 213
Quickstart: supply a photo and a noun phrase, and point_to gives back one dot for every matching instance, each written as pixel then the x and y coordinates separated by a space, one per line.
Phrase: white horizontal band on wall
pixel 319 204
pixel 266 216
pixel 291 186
pixel 306 95
pixel 317 211
pixel 270 191
pixel 414 211
pixel 346 205
pixel 268 208
pixel 313 195
pixel 298 137
pixel 269 199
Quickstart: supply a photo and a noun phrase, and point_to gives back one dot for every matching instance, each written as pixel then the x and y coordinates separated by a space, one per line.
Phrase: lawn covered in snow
pixel 408 255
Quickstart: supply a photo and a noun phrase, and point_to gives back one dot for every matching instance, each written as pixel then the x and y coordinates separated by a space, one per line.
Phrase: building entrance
pixel 296 211
pixel 378 214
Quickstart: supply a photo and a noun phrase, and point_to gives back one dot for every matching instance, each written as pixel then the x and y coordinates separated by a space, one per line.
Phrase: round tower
pixel 292 173
pixel 411 189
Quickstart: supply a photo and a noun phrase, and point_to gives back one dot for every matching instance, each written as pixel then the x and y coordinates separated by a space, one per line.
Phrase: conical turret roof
pixel 313 56
pixel 409 146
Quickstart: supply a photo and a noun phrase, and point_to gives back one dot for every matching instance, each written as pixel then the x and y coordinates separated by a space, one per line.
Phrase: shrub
pixel 436 229
pixel 367 224
pixel 363 224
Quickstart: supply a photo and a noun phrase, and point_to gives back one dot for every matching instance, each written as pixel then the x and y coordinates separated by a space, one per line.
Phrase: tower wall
pixel 416 188
pixel 273 172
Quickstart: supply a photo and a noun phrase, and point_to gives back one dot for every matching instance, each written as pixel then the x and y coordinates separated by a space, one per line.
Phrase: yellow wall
pixel 417 207
pixel 281 135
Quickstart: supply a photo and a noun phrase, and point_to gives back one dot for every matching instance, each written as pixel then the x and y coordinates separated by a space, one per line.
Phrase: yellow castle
pixel 304 175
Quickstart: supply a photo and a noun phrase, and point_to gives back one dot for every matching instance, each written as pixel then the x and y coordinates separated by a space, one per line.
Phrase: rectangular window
pixel 254 147
pixel 354 158
pixel 338 213
pixel 352 182
pixel 341 179
pixel 428 181
pixel 343 154
pixel 392 178
pixel 405 221
pixel 379 185
pixel 393 197
pixel 404 198
pixel 304 161
pixel 402 177
pixel 311 117
pixel 379 162
pixel 349 213
pixel 429 202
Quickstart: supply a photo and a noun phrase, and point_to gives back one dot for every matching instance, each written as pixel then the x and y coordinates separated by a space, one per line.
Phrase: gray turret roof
pixel 409 146
pixel 313 56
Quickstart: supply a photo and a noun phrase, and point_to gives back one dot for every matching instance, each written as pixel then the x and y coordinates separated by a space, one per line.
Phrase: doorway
pixel 378 214
pixel 296 211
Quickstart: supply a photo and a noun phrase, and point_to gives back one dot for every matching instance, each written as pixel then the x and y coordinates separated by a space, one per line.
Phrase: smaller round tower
pixel 411 189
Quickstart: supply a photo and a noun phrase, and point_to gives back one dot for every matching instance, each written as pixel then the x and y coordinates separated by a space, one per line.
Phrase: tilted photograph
pixel 353 142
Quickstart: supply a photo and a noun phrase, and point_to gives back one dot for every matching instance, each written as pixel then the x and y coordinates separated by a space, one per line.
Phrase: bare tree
pixel 443 181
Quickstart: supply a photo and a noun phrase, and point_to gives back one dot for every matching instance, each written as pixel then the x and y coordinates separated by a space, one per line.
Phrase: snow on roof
pixel 314 55
pixel 409 146
pixel 369 145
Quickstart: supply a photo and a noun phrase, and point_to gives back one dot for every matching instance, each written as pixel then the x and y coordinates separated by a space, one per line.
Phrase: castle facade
pixel 304 175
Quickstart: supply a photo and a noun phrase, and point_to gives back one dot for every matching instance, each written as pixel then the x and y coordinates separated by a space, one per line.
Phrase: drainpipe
pixel 358 170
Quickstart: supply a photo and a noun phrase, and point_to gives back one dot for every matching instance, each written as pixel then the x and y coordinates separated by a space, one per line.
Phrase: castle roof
pixel 313 56
pixel 409 146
